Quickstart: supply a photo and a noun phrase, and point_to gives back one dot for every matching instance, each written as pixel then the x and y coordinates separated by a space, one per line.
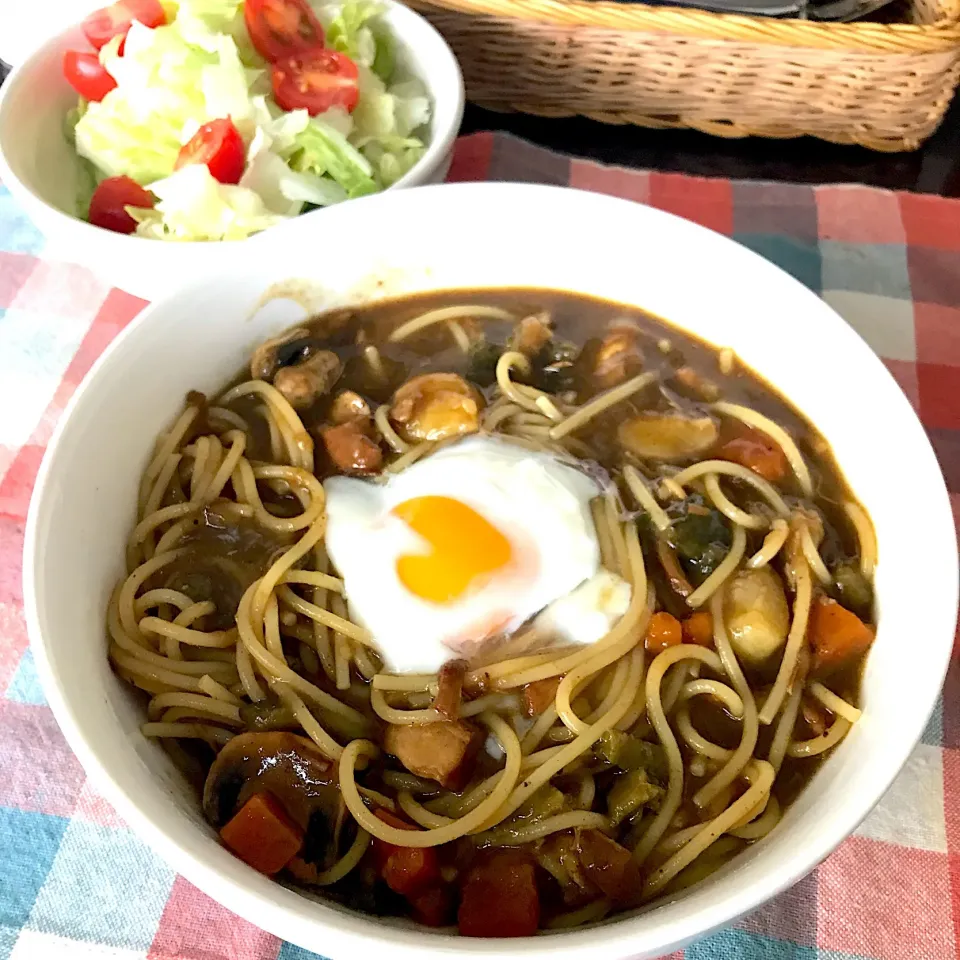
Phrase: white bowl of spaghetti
pixel 621 685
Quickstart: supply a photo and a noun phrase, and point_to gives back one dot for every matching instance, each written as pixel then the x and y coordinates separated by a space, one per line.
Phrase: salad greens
pixel 202 66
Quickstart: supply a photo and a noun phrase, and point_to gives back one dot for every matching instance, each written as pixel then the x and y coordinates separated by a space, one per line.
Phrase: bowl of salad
pixel 146 137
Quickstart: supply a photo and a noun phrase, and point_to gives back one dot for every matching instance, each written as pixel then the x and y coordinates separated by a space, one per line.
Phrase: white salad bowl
pixel 507 235
pixel 41 169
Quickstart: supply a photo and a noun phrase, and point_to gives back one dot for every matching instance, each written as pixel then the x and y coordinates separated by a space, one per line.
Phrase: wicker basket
pixel 883 86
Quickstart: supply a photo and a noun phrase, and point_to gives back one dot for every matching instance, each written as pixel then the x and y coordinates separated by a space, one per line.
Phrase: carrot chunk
pixel 663 631
pixel 262 835
pixel 500 897
pixel 836 635
pixel 434 906
pixel 755 451
pixel 698 628
pixel 405 870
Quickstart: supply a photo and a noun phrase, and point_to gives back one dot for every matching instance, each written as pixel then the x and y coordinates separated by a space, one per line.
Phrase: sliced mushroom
pixel 288 766
pixel 619 356
pixel 667 436
pixel 531 334
pixel 348 405
pixel 277 352
pixel 756 615
pixel 435 406
pixel 309 380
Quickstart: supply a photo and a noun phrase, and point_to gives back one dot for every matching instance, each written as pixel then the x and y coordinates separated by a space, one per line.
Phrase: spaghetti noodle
pixel 234 623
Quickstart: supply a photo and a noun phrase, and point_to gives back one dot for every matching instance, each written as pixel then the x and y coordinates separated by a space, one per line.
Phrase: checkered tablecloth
pixel 76 883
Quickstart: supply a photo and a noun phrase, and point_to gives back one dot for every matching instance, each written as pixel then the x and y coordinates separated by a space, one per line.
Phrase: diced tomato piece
pixel 499 897
pixel 262 835
pixel 663 631
pixel 315 82
pixel 837 636
pixel 101 26
pixel 282 28
pixel 405 870
pixel 87 75
pixel 434 906
pixel 108 206
pixel 217 144
pixel 756 451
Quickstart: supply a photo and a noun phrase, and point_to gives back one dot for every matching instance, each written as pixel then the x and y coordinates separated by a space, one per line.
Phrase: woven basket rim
pixel 895 38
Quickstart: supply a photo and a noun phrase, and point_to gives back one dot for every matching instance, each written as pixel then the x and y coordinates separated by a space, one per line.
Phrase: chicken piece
pixel 537 696
pixel 434 406
pixel 531 334
pixel 619 356
pixel 309 379
pixel 351 448
pixel 450 689
pixel 443 751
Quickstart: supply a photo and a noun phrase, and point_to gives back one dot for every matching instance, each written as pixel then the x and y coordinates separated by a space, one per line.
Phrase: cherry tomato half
pixel 86 74
pixel 101 26
pixel 282 28
pixel 108 206
pixel 316 82
pixel 219 145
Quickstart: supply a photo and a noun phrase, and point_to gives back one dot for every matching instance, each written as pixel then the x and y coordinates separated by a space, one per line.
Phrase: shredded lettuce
pixel 201 66
pixel 192 205
pixel 324 150
pixel 349 31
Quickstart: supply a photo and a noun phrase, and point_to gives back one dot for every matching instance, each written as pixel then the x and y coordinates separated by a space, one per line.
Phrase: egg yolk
pixel 465 548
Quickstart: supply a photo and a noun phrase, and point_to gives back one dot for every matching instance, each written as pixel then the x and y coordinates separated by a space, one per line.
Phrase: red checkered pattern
pixel 74 882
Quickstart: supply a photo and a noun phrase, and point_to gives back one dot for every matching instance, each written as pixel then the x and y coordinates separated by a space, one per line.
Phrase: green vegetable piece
pixel 631 791
pixel 546 802
pixel 482 363
pixel 852 589
pixel 630 753
pixel 259 717
pixel 699 534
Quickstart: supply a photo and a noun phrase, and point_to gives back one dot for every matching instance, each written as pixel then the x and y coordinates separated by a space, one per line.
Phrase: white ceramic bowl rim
pixel 637 235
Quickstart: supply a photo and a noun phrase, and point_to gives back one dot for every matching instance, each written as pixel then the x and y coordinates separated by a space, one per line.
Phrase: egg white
pixel 536 500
